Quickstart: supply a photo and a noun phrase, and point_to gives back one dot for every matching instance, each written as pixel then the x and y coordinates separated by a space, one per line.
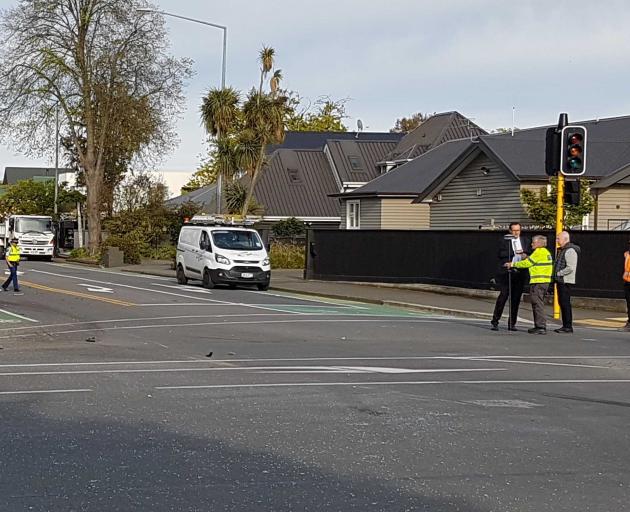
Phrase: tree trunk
pixel 94 182
pixel 252 184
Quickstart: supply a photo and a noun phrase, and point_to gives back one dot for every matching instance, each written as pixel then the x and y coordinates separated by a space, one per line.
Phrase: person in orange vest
pixel 626 285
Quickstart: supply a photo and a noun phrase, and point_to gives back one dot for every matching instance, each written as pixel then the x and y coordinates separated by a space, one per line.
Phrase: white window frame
pixel 353 214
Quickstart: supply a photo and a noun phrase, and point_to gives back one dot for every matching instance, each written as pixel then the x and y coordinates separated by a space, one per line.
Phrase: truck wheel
pixel 207 280
pixel 263 287
pixel 181 276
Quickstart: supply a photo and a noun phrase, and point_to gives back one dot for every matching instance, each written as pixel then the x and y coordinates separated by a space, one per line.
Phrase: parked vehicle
pixel 34 233
pixel 220 250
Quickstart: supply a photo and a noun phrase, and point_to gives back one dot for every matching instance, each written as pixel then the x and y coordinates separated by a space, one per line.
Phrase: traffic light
pixel 573 151
pixel 572 192
pixel 552 152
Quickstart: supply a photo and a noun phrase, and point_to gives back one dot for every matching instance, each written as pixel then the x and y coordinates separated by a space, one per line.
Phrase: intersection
pixel 121 391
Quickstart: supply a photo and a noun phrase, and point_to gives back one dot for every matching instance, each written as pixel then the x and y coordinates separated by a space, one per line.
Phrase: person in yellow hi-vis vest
pixel 540 265
pixel 13 261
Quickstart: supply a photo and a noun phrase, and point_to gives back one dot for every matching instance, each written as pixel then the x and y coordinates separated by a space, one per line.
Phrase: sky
pixel 390 59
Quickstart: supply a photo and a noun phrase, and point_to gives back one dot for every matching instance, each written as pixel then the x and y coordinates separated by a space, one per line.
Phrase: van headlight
pixel 221 259
pixel 265 262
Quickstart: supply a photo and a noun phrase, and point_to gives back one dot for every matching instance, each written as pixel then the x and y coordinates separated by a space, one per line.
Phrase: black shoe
pixel 564 330
pixel 495 326
pixel 16 291
pixel 4 289
pixel 537 330
pixel 512 328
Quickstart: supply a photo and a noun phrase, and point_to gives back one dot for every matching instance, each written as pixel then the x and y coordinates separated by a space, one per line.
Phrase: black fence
pixel 467 259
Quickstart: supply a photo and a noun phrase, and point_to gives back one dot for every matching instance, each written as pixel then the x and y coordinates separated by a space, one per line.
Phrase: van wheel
pixel 181 276
pixel 263 287
pixel 207 280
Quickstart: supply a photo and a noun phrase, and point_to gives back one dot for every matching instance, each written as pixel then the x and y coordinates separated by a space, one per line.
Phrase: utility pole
pixel 56 159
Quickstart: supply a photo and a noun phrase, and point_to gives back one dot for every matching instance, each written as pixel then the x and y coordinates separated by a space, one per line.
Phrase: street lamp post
pixel 223 71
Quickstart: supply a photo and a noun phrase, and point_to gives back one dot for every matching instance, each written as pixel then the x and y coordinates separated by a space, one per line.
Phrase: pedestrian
pixel 511 282
pixel 564 274
pixel 12 258
pixel 626 285
pixel 540 265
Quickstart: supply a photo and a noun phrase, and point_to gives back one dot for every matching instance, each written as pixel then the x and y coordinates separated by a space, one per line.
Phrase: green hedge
pixel 287 256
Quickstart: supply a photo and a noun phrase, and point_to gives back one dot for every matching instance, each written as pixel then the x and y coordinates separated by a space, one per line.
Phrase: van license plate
pixel 247 275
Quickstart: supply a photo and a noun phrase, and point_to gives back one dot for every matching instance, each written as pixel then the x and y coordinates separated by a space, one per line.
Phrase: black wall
pixel 452 258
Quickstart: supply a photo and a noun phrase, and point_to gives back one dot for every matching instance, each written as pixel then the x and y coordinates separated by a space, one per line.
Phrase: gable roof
pixel 297 183
pixel 204 196
pixel 317 140
pixel 436 130
pixel 356 160
pixel 14 174
pixel 414 177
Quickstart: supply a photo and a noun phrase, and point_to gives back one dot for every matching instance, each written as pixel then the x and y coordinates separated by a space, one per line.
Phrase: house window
pixel 294 175
pixel 353 213
pixel 355 163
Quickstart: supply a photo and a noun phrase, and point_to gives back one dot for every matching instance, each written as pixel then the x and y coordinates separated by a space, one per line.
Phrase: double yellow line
pixel 77 294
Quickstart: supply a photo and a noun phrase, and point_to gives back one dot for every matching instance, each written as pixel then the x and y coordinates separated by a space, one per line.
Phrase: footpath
pixel 438 300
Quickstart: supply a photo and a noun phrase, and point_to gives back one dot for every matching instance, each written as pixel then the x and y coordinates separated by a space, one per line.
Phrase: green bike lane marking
pixel 6 317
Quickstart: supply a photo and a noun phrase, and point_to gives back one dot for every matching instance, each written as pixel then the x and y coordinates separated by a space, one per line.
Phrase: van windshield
pixel 237 240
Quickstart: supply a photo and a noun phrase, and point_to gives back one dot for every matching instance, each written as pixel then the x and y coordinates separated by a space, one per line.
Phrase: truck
pixel 34 233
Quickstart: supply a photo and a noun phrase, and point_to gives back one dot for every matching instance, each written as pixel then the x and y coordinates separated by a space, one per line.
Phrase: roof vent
pixel 355 163
pixel 294 175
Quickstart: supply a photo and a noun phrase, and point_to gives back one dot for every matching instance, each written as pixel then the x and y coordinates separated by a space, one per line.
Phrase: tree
pixel 505 130
pixel 408 124
pixel 327 116
pixel 29 197
pixel 86 57
pixel 541 206
pixel 243 129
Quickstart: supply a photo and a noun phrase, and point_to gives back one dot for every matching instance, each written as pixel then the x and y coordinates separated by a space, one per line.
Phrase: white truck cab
pixel 221 250
pixel 34 233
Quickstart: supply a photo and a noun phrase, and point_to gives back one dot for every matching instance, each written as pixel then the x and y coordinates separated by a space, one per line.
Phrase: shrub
pixel 130 244
pixel 163 252
pixel 80 252
pixel 288 228
pixel 287 256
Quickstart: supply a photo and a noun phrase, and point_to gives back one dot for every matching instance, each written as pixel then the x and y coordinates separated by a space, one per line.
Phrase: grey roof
pixel 436 130
pixel 14 174
pixel 205 196
pixel 297 183
pixel 317 140
pixel 414 177
pixel 362 154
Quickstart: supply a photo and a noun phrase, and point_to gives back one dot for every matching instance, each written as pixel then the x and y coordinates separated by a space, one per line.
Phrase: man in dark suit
pixel 513 280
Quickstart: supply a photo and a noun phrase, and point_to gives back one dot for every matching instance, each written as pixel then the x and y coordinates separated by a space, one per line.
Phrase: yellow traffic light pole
pixel 559 229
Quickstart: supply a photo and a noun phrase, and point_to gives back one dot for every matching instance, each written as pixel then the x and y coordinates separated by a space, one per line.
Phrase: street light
pixel 223 67
pixel 222 27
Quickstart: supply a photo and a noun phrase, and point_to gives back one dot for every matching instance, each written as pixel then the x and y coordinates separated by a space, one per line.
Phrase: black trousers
pixel 519 278
pixel 626 287
pixel 564 299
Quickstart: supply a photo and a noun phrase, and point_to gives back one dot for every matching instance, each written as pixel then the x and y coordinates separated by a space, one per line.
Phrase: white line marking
pixel 113 273
pixel 18 316
pixel 203 324
pixel 45 391
pixel 534 362
pixel 157 291
pixel 242 369
pixel 181 287
pixel 362 369
pixel 97 289
pixel 395 383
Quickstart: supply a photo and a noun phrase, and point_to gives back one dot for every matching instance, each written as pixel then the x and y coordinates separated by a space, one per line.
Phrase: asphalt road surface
pixel 121 392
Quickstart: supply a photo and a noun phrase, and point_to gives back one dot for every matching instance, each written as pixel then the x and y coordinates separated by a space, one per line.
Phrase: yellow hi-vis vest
pixel 540 266
pixel 13 254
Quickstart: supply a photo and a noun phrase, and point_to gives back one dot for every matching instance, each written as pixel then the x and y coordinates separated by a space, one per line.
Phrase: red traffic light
pixel 576 138
pixel 573 150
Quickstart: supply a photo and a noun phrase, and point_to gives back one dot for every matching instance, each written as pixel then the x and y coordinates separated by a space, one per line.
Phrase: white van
pixel 221 253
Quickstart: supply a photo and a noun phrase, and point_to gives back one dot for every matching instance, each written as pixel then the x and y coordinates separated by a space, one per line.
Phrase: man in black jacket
pixel 510 282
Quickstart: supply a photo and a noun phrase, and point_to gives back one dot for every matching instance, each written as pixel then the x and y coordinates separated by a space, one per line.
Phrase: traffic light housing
pixel 572 192
pixel 573 150
pixel 552 152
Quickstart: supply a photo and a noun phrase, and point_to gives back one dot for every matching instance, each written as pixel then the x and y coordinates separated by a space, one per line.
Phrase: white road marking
pixel 257 369
pixel 18 316
pixel 194 289
pixel 158 291
pixel 541 363
pixel 97 289
pixel 370 319
pixel 45 391
pixel 19 273
pixel 395 383
pixel 113 273
pixel 363 369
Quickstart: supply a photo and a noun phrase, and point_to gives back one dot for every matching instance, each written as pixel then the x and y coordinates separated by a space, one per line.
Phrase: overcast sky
pixel 394 58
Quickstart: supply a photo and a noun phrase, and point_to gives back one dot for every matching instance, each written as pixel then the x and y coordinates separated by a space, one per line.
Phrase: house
pixel 473 183
pixel 205 197
pixel 14 174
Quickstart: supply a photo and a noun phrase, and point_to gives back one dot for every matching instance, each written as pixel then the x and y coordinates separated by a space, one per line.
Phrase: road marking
pixel 266 369
pixel 258 322
pixel 45 391
pixel 360 369
pixel 394 383
pixel 152 290
pixel 600 323
pixel 534 362
pixel 194 289
pixel 19 273
pixel 77 294
pixel 101 271
pixel 18 316
pixel 97 289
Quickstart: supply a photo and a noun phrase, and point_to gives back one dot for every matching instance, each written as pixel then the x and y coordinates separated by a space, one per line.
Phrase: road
pixel 123 392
